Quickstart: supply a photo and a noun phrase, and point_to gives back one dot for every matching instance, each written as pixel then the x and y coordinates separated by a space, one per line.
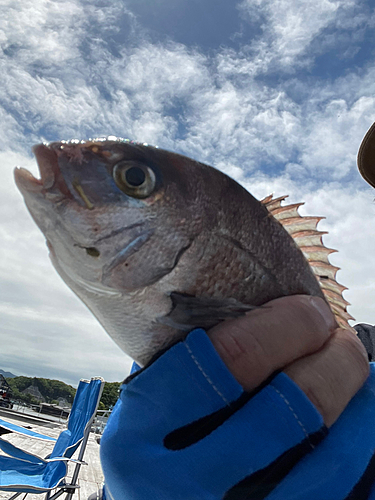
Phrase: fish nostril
pixel 92 251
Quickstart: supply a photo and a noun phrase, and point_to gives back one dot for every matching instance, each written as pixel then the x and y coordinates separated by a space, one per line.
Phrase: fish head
pixel 99 202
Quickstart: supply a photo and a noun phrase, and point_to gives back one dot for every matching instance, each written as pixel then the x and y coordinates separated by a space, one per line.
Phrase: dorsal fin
pixel 304 232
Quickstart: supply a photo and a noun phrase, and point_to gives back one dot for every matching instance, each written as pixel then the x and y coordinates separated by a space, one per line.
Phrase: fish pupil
pixel 135 176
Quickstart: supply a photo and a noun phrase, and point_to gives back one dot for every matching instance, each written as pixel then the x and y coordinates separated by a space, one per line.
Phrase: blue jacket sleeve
pixel 184 429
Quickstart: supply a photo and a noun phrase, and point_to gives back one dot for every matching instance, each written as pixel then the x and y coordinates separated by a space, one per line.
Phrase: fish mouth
pixel 51 178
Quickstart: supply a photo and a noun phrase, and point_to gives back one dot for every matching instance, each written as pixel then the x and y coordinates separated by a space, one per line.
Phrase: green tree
pixel 110 394
pixel 29 399
pixel 50 389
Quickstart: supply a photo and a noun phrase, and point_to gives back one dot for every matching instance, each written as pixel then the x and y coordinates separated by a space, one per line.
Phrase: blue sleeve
pixel 184 429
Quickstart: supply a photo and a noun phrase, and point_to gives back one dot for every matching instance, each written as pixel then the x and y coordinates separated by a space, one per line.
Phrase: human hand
pixel 297 334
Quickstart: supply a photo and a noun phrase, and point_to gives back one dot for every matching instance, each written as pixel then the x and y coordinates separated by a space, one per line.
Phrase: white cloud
pixel 333 136
pixel 155 80
pixel 294 32
pixel 288 28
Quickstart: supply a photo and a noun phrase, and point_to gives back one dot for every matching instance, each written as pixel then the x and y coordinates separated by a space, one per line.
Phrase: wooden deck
pixel 90 477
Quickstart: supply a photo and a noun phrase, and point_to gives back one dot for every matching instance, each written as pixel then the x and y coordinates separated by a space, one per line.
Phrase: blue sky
pixel 278 94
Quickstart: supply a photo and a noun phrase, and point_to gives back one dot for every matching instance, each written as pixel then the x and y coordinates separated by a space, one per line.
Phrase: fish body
pixel 155 243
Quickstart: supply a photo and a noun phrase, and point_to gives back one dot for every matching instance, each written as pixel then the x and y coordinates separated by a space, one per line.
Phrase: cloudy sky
pixel 276 93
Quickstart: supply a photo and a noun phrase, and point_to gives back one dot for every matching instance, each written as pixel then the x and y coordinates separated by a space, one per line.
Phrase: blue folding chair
pixel 6 426
pixel 24 472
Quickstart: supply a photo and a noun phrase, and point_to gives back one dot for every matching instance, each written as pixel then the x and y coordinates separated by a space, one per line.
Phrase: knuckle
pixel 333 375
pixel 320 399
pixel 312 320
pixel 316 385
pixel 243 356
pixel 357 352
pixel 231 346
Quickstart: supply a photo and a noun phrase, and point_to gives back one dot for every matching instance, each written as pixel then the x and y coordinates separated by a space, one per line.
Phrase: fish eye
pixel 134 178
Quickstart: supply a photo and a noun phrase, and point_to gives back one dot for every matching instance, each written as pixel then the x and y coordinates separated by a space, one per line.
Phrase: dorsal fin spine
pixel 303 230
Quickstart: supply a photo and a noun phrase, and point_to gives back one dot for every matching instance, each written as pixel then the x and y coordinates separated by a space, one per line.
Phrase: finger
pixel 333 375
pixel 272 336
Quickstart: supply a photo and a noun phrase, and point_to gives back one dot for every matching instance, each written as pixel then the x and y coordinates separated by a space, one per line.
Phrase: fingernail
pixel 324 310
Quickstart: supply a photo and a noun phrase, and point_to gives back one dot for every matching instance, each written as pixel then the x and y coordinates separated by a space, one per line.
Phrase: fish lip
pixel 51 178
pixel 26 182
pixel 47 163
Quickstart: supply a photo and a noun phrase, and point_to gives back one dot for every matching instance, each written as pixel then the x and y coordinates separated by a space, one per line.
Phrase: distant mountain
pixel 33 389
pixel 7 374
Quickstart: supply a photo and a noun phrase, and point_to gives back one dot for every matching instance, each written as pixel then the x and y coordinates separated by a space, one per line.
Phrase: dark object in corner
pixel 366 156
pixel 366 334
